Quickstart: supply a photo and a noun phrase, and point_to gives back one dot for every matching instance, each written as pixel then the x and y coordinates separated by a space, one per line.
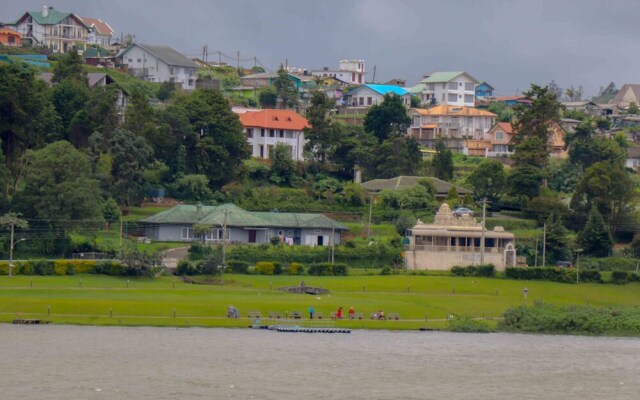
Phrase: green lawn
pixel 101 300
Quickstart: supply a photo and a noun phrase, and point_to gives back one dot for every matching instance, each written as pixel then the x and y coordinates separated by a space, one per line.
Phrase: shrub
pixel 466 323
pixel 238 267
pixel 266 268
pixel 620 277
pixel 42 267
pixel 554 274
pixel 328 269
pixel 295 269
pixel 486 270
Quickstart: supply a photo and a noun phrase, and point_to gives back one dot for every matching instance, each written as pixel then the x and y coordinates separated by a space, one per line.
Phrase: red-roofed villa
pixel 266 128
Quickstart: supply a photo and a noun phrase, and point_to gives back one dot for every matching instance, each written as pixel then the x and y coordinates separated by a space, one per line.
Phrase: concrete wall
pixel 423 260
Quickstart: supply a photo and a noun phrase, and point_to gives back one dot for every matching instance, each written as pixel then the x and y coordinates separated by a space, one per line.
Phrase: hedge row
pixel 66 267
pixel 486 270
pixel 381 252
pixel 609 263
pixel 622 277
pixel 554 274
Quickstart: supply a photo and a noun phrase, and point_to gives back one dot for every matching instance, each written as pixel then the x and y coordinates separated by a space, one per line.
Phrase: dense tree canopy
pixel 388 119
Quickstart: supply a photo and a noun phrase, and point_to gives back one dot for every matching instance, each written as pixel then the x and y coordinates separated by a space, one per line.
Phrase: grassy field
pixel 421 301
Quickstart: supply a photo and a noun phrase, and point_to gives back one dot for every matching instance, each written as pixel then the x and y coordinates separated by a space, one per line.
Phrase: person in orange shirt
pixel 351 312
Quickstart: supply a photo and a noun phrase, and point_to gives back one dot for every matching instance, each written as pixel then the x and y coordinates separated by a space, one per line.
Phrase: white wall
pixel 158 70
pixel 442 90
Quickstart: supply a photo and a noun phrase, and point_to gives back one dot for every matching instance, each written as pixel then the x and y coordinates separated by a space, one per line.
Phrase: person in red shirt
pixel 351 312
pixel 339 313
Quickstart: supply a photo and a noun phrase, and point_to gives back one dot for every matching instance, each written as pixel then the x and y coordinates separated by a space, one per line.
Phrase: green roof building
pixel 59 31
pixel 186 223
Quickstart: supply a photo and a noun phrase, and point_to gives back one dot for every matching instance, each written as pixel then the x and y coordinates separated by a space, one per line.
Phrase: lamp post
pixel 11 246
pixel 578 265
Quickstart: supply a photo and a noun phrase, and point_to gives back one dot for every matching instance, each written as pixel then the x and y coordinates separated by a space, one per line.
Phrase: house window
pixel 171 70
pixel 187 233
pixel 369 101
pixel 499 135
pixel 139 60
pixel 468 86
pixel 129 60
pixel 453 85
pixel 249 132
pixel 272 133
pixel 468 98
pixel 261 151
pixel 281 133
pixel 361 101
pixel 453 97
pixel 431 86
pixel 262 133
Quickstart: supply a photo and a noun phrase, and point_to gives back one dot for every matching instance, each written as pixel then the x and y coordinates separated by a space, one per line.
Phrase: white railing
pixel 453 249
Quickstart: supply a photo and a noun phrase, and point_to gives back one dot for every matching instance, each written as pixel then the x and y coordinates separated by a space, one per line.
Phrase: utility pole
pixel 536 256
pixel 370 212
pixel 121 228
pixel 544 244
pixel 219 58
pixel 484 219
pixel 13 219
pixel 224 239
pixel 13 224
pixel 373 79
pixel 239 62
pixel 333 243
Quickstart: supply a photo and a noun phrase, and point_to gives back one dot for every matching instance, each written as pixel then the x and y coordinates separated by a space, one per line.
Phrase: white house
pixel 159 64
pixel 268 127
pixel 100 32
pixel 370 94
pixel 59 31
pixel 453 124
pixel 350 71
pixel 447 88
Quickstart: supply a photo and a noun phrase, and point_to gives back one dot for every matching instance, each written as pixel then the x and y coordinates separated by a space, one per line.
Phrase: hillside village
pixel 312 156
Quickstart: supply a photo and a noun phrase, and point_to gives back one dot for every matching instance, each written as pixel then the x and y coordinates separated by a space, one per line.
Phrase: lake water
pixel 70 362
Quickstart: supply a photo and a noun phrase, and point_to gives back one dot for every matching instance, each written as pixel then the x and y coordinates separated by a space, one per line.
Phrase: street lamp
pixel 11 246
pixel 578 265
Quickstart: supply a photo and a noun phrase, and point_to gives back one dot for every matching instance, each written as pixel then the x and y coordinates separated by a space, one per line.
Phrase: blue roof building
pixel 370 94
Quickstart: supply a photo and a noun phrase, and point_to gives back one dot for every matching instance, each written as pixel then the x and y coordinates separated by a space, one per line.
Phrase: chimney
pixel 45 11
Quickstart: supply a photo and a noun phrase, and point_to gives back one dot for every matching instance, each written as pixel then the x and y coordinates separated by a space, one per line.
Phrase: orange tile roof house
pixel 9 37
pixel 101 32
pixel 266 128
pixel 454 124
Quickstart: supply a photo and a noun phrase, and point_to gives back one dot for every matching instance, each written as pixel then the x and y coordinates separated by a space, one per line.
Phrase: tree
pixel 557 241
pixel 606 94
pixel 633 108
pixel 69 97
pixel 110 212
pixel 397 156
pixel 574 94
pixel 609 187
pixel 488 180
pixel 166 91
pixel 192 188
pixel 322 134
pixel 27 118
pixel 586 149
pixel 213 136
pixel 131 155
pixel 524 181
pixel 595 239
pixel 354 148
pixel 388 119
pixel 502 110
pixel 286 89
pixel 532 126
pixel 282 167
pixel 70 66
pixel 59 186
pixel 139 114
pixel 442 162
pixel 453 199
pixel 555 89
pixel 268 97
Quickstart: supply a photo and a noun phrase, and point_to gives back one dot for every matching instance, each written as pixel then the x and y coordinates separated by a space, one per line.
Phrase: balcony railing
pixel 453 249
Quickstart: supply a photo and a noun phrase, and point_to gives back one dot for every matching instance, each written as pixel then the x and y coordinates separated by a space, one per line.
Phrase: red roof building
pixel 266 128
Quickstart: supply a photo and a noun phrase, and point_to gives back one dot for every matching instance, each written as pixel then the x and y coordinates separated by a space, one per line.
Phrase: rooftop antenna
pixel 373 79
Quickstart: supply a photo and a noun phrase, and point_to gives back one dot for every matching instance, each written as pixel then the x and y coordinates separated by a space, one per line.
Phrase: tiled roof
pixel 454 110
pixel 164 53
pixel 101 27
pixel 274 119
pixel 403 182
pixel 505 127
pixel 438 77
pixel 9 32
pixel 520 99
pixel 237 217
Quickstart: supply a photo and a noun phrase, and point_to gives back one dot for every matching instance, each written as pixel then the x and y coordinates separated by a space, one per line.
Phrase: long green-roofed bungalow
pixel 187 223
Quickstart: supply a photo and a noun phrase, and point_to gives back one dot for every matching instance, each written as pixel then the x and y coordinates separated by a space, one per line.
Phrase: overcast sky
pixel 509 43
